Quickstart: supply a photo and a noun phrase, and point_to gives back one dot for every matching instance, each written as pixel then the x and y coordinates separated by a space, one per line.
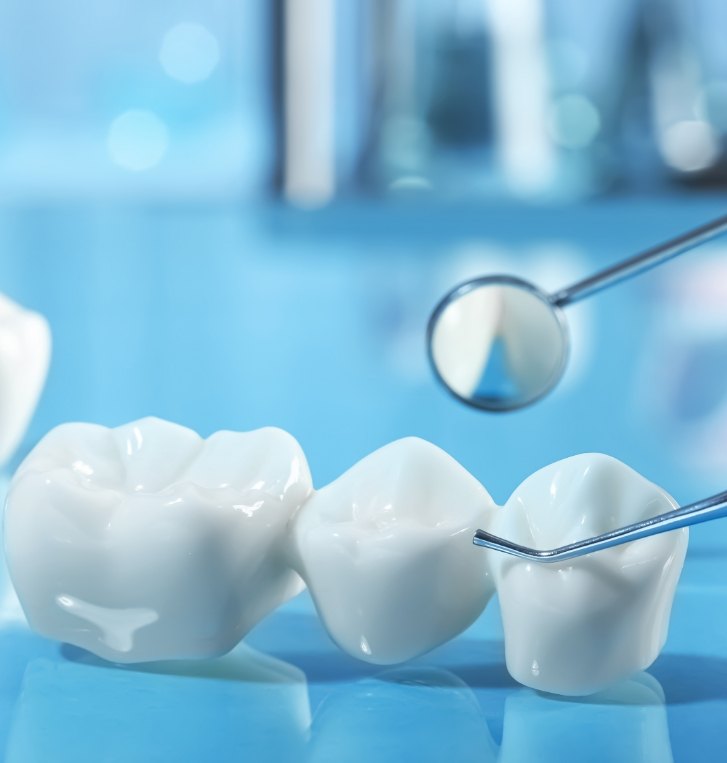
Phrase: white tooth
pixel 25 344
pixel 387 552
pixel 579 626
pixel 147 542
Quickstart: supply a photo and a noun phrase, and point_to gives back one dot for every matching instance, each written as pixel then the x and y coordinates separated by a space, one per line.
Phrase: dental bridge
pixel 147 542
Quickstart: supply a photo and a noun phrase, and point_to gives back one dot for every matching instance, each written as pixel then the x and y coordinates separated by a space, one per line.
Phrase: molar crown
pixel 147 542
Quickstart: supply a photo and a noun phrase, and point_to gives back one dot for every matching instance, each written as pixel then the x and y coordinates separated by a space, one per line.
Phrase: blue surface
pixel 238 319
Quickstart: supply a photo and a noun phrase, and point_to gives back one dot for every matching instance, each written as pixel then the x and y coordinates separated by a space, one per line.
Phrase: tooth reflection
pixel 408 714
pixel 244 706
pixel 626 723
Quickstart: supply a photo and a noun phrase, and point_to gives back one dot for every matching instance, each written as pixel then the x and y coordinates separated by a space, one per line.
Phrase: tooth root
pixel 577 627
pixel 157 550
pixel 387 552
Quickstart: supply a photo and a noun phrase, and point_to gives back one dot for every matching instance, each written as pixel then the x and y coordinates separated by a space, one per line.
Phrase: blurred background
pixel 316 100
pixel 240 214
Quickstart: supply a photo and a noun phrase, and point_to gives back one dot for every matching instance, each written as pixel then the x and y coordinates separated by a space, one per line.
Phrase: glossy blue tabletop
pixel 239 318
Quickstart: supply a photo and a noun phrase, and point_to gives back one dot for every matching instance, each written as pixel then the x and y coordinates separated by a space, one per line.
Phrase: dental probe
pixel 705 510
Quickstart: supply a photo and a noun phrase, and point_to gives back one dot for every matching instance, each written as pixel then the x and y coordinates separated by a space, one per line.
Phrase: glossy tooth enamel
pixel 25 346
pixel 576 627
pixel 387 552
pixel 147 542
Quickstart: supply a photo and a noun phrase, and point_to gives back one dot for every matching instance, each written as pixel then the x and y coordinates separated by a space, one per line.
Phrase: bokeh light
pixel 574 121
pixel 189 53
pixel 690 145
pixel 137 140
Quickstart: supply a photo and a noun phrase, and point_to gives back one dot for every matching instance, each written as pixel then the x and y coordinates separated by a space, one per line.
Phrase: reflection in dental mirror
pixel 498 343
pixel 422 714
pixel 625 723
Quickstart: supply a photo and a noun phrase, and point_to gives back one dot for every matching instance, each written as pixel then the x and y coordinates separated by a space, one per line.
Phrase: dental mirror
pixel 499 343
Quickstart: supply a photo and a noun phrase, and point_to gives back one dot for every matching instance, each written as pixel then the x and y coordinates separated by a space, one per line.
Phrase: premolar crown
pixel 386 551
pixel 577 627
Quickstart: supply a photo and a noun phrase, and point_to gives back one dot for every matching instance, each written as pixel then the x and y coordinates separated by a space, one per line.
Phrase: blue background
pixel 314 322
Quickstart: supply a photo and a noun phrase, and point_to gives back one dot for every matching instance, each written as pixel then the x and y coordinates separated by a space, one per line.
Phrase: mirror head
pixel 498 343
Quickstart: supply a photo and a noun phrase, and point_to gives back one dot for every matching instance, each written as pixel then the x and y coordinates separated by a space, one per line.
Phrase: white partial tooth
pixel 578 626
pixel 25 345
pixel 387 552
pixel 147 542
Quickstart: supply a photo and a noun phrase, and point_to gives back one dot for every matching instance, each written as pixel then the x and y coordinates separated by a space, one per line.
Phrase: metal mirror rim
pixel 458 292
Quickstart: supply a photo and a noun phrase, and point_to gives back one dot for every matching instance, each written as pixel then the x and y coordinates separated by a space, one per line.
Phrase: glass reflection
pixel 405 714
pixel 626 723
pixel 244 706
